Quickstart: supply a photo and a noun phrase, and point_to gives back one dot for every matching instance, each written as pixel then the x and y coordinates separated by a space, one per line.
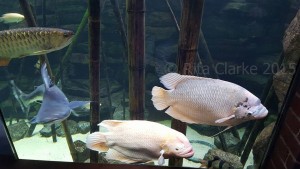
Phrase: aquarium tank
pixel 170 82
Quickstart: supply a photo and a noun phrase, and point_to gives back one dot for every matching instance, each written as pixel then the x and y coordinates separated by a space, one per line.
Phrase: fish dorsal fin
pixel 45 76
pixel 161 159
pixel 171 80
pixel 108 124
pixel 4 61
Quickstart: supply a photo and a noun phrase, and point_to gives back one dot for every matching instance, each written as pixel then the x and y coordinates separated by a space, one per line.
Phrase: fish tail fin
pixel 159 98
pixel 1 19
pixel 96 141
pixel 20 97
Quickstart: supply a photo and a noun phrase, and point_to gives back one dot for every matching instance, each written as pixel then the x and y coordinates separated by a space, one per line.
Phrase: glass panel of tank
pixel 240 44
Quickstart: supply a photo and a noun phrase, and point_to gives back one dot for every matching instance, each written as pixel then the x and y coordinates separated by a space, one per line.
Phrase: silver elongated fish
pixel 55 106
pixel 17 43
pixel 208 101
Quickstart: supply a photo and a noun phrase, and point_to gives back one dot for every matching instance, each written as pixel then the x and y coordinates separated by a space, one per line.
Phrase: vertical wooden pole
pixel 43 58
pixel 94 70
pixel 190 23
pixel 136 57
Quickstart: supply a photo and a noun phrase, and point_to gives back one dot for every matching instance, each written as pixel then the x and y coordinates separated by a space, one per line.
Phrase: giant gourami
pixel 200 100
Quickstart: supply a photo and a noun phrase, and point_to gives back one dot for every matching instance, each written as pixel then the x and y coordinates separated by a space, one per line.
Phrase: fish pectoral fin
pixel 75 104
pixel 96 141
pixel 112 154
pixel 41 52
pixel 161 159
pixel 222 120
pixel 177 114
pixel 4 61
pixel 227 128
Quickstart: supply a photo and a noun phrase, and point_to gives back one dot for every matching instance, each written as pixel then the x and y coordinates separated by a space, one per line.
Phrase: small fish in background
pixel 11 18
pixel 133 141
pixel 216 163
pixel 55 106
pixel 18 43
pixel 199 100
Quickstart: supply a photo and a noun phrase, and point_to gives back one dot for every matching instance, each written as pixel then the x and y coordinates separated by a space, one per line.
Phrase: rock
pixel 46 130
pixel 159 19
pixel 4 91
pixel 281 82
pixel 18 130
pixel 83 127
pixel 232 159
pixel 72 125
pixel 102 159
pixel 80 87
pixel 291 43
pixel 261 143
pixel 80 58
pixel 250 167
pixel 161 33
pixel 82 151
pixel 231 142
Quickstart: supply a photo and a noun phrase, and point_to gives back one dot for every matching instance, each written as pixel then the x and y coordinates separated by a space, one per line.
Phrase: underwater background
pixel 244 38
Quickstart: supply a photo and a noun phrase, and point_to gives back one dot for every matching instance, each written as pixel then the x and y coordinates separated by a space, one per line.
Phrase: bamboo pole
pixel 26 8
pixel 43 59
pixel 190 24
pixel 121 24
pixel 110 109
pixel 136 57
pixel 94 70
pixel 204 48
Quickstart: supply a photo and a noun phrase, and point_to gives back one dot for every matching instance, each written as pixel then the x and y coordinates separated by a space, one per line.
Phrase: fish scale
pixel 208 101
pixel 16 43
pixel 208 94
pixel 139 141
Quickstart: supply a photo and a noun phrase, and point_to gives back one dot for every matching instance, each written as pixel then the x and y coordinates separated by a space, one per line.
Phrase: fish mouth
pixel 187 153
pixel 260 113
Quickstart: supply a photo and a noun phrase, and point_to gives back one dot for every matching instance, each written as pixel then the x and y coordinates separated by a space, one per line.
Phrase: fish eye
pixel 176 149
pixel 66 34
pixel 249 114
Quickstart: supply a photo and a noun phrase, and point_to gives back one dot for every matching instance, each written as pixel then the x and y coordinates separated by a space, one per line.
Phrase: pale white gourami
pixel 205 101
